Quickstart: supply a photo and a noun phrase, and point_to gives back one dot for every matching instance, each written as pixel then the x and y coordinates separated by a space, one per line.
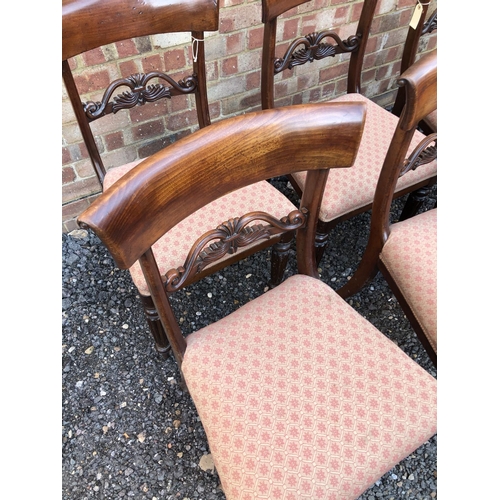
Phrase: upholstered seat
pixel 171 249
pixel 299 395
pixel 351 189
pixel 410 257
pixel 305 407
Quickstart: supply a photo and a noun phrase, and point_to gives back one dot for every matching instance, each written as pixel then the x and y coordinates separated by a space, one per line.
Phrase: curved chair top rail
pixel 87 24
pixel 420 82
pixel 157 194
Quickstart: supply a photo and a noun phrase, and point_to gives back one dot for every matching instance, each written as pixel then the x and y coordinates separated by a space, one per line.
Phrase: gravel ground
pixel 128 430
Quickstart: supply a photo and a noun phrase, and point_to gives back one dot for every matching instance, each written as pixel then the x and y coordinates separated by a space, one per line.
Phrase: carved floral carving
pixel 227 238
pixel 431 24
pixel 422 154
pixel 313 48
pixel 140 93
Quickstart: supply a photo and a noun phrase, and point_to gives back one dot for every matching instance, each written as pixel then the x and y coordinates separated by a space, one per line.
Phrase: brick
pixel 66 156
pixel 333 72
pixel 405 3
pixel 114 140
pixel 229 66
pixel 152 63
pixel 178 103
pixel 231 3
pixel 94 57
pixel 80 189
pixel 90 82
pixel 251 101
pixel 255 38
pixel 120 156
pixel 214 110
pixel 68 175
pixel 75 208
pixel 356 11
pixel 174 59
pixel 148 129
pixel 156 145
pixel 83 151
pixel 328 91
pixel 128 68
pixel 151 110
pixel 385 6
pixel 290 29
pixel 143 44
pixel 432 43
pixel 237 19
pixel 341 87
pixel 126 48
pixel 235 43
pixel 249 61
pixel 253 80
pixel 226 87
pixel 72 63
pixel 85 168
pixel 180 121
pixel 69 225
pixel 111 123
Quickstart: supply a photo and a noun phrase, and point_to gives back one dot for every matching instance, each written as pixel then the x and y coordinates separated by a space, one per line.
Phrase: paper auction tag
pixel 415 18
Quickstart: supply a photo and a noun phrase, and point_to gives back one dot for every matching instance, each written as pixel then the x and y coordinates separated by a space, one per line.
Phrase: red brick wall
pixel 233 67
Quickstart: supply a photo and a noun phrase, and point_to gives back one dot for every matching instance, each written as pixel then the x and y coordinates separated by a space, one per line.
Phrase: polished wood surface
pixel 410 50
pixel 152 198
pixel 87 24
pixel 217 160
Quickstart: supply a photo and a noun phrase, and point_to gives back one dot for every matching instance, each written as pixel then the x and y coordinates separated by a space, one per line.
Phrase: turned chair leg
pixel 279 259
pixel 414 202
pixel 162 345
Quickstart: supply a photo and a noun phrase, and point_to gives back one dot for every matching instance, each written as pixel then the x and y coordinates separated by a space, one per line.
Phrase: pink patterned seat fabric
pixel 410 256
pixel 352 188
pixel 171 250
pixel 301 397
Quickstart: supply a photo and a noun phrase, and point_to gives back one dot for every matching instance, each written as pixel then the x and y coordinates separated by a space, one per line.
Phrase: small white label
pixel 416 16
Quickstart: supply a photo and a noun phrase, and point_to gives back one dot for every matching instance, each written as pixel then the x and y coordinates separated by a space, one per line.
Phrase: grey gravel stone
pixel 123 389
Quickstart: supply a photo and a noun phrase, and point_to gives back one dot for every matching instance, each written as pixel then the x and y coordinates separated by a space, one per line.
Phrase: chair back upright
pixel 89 25
pixel 172 184
pixel 410 49
pixel 420 85
pixel 310 47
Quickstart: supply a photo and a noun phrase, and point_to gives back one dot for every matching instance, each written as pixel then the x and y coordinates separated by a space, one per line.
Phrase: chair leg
pixel 321 240
pixel 414 202
pixel 279 258
pixel 162 345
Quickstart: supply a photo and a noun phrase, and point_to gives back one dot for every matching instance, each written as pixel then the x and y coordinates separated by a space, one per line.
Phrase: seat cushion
pixel 352 188
pixel 301 397
pixel 172 249
pixel 410 257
